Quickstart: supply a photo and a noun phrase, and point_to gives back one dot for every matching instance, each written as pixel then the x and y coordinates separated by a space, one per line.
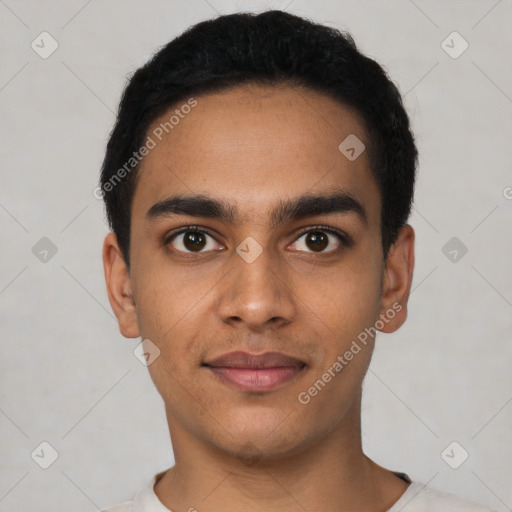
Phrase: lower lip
pixel 252 379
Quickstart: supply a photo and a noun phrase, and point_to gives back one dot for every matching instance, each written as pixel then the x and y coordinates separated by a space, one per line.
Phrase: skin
pixel 236 450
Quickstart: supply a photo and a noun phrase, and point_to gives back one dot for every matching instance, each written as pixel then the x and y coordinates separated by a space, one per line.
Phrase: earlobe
pixel 119 287
pixel 397 281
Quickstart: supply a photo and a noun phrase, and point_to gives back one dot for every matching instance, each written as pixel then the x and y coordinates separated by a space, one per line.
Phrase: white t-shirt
pixel 416 498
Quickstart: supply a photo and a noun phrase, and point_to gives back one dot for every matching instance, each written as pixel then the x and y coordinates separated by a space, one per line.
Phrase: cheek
pixel 166 298
pixel 170 316
pixel 173 308
pixel 345 301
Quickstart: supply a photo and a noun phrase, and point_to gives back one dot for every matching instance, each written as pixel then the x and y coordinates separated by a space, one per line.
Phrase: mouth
pixel 256 373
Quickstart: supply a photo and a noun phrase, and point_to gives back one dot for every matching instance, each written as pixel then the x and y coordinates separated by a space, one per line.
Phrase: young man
pixel 257 182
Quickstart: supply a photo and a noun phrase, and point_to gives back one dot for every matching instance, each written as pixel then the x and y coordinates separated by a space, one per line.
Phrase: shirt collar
pixel 146 499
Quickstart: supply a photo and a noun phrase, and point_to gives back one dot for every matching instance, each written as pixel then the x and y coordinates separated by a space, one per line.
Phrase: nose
pixel 256 295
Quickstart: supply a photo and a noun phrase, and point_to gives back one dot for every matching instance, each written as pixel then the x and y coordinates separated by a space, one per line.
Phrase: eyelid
pixel 343 237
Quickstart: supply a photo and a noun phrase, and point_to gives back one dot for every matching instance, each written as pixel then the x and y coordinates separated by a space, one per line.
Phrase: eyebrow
pixel 298 208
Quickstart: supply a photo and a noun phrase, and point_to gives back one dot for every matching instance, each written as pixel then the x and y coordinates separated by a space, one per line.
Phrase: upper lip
pixel 240 359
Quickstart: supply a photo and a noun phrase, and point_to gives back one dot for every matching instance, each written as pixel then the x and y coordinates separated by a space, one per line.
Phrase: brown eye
pixel 318 240
pixel 192 240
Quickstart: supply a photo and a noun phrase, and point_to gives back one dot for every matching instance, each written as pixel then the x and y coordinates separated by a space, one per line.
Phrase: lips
pixel 261 372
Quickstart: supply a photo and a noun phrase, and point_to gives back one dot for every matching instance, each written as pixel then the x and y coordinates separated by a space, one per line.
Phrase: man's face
pixel 307 295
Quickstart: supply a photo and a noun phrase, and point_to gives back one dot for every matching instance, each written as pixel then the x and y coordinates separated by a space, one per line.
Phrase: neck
pixel 332 473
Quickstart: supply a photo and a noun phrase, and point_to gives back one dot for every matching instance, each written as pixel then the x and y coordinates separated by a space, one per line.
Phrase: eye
pixel 191 239
pixel 318 238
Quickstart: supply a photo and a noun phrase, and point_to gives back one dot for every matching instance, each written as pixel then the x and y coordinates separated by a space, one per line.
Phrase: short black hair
pixel 270 48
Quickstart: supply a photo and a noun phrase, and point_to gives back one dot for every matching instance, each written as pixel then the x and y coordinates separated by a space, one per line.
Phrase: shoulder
pixel 126 506
pixel 420 498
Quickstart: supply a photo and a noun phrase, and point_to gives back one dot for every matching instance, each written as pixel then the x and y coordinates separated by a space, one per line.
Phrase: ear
pixel 397 281
pixel 119 287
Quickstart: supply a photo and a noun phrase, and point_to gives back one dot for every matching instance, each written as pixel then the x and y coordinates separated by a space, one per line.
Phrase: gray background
pixel 67 375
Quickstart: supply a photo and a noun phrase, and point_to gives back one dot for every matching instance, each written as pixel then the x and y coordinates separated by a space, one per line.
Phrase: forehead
pixel 252 146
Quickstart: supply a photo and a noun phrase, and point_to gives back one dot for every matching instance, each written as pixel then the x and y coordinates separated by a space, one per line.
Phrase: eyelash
pixel 345 240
